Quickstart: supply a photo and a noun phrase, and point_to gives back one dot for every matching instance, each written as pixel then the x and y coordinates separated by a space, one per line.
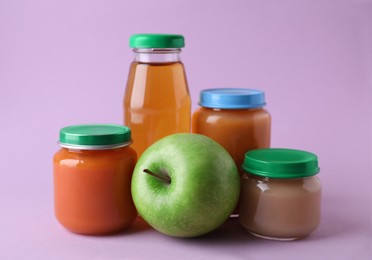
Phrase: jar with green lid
pixel 92 179
pixel 280 193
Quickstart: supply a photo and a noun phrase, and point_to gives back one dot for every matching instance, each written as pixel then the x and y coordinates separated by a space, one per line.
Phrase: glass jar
pixel 234 118
pixel 280 194
pixel 157 101
pixel 92 179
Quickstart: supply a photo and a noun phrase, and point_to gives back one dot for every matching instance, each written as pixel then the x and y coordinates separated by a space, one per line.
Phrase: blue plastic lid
pixel 232 98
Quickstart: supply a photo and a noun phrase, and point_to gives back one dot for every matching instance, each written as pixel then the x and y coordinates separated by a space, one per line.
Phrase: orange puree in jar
pixel 92 178
pixel 234 118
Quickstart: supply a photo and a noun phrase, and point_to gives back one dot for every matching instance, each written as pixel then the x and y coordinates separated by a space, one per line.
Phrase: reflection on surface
pixel 70 162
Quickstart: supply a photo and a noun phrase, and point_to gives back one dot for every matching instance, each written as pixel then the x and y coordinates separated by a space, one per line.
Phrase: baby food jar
pixel 92 178
pixel 234 118
pixel 280 196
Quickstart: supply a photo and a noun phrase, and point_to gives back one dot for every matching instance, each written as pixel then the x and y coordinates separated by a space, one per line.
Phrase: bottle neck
pixel 157 55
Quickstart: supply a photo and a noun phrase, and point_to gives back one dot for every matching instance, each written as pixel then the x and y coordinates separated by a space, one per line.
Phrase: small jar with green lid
pixel 280 193
pixel 92 179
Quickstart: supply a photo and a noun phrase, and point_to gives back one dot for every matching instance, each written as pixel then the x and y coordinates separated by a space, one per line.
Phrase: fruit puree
pixel 284 209
pixel 280 196
pixel 92 189
pixel 238 130
pixel 234 118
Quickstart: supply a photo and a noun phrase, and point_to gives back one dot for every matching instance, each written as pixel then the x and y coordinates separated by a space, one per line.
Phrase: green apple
pixel 185 185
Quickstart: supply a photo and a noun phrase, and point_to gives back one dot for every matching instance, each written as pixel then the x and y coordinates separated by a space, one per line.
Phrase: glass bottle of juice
pixel 157 100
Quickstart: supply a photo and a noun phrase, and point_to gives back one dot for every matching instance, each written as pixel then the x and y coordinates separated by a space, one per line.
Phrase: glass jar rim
pixel 157 50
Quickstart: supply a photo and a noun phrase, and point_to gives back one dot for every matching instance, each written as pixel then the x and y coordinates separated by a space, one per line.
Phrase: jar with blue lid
pixel 235 118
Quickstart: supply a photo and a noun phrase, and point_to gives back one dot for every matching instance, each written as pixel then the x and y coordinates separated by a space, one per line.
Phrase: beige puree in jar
pixel 277 206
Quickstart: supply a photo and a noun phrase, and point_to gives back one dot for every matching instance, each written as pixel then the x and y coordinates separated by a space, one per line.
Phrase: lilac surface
pixel 66 62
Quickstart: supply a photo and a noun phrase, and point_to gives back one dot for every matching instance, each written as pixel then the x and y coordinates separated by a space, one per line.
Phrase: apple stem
pixel 160 176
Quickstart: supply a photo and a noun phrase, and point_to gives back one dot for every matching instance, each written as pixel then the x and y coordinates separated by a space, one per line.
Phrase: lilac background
pixel 66 62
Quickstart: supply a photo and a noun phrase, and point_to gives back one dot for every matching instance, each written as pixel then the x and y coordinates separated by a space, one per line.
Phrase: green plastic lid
pixel 94 137
pixel 156 41
pixel 281 163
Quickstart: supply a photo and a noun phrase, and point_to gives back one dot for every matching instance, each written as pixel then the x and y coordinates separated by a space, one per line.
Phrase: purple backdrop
pixel 66 62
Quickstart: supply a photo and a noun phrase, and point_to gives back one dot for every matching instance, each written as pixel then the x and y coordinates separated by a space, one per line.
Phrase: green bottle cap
pixel 94 137
pixel 281 163
pixel 161 41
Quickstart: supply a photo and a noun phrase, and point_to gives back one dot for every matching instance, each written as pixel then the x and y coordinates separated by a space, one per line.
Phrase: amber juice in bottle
pixel 157 101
